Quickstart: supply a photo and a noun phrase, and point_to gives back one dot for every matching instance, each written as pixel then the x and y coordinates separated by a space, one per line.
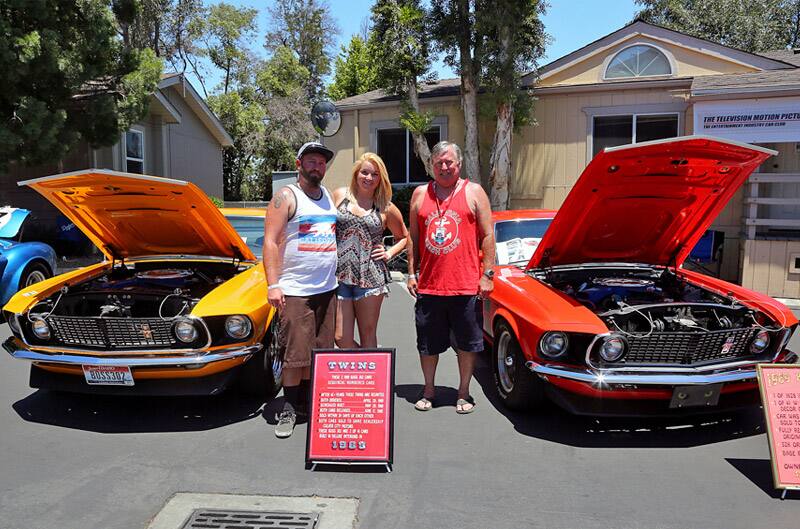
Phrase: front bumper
pixel 656 377
pixel 17 350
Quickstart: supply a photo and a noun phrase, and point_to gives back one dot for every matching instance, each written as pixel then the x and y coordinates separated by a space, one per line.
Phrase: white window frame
pixel 673 67
pixel 630 110
pixel 375 126
pixel 125 157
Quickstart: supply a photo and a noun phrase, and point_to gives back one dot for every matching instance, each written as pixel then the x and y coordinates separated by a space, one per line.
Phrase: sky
pixel 570 23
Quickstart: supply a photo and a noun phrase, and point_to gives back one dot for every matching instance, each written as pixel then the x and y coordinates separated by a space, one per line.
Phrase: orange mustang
pixel 597 314
pixel 179 306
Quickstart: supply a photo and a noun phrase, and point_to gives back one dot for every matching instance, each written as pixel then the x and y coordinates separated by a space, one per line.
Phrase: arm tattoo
pixel 277 201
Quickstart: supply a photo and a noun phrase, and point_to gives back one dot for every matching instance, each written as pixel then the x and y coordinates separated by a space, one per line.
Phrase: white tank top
pixel 309 256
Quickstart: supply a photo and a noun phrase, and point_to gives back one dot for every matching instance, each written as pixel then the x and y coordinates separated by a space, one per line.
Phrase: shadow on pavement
pixel 130 414
pixel 554 424
pixel 759 472
pixel 445 396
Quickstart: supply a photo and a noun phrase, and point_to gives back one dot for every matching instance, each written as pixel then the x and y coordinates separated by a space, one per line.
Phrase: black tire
pixel 33 273
pixel 518 388
pixel 262 375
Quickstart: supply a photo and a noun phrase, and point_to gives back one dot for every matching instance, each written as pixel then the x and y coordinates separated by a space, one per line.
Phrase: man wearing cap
pixel 300 262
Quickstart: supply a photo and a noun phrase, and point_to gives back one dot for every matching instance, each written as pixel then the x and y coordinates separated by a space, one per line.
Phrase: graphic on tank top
pixel 441 232
pixel 316 233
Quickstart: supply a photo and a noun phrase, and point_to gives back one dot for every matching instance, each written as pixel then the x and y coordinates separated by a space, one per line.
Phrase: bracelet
pixel 412 276
pixel 276 285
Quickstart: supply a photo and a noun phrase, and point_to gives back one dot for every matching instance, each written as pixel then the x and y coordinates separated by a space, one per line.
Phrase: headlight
pixel 612 348
pixel 41 329
pixel 553 344
pixel 760 342
pixel 238 327
pixel 12 323
pixel 186 331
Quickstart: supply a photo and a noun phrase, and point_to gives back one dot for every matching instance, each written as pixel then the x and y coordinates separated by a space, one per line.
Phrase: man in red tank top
pixel 450 221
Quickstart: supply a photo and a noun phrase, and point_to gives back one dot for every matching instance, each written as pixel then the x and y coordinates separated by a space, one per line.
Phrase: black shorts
pixel 449 321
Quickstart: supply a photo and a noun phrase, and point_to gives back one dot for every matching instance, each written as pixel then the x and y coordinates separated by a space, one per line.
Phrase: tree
pixel 455 31
pixel 307 28
pixel 228 31
pixel 402 57
pixel 750 25
pixel 515 40
pixel 68 77
pixel 354 72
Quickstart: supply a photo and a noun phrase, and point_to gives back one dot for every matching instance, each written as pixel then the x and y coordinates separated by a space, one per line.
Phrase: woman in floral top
pixel 364 212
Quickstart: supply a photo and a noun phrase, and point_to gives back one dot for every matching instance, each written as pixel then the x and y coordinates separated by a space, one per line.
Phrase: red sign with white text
pixel 780 395
pixel 351 416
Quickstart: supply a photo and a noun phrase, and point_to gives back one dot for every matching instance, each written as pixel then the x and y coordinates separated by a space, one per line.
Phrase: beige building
pixel 178 138
pixel 642 82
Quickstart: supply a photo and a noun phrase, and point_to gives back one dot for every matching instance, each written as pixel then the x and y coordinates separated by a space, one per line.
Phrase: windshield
pixel 251 230
pixel 517 239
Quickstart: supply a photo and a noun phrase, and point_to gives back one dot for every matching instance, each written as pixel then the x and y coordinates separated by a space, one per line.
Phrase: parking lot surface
pixel 77 461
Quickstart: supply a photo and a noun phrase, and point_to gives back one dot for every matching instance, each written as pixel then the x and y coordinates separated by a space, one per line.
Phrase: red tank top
pixel 448 240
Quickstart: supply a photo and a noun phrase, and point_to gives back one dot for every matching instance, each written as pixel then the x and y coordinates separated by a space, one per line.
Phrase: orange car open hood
pixel 127 215
pixel 647 203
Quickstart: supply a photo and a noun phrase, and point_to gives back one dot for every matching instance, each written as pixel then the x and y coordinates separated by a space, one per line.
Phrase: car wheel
pixel 32 274
pixel 517 386
pixel 262 375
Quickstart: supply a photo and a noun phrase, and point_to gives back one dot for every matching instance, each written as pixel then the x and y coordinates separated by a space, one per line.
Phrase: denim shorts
pixel 354 293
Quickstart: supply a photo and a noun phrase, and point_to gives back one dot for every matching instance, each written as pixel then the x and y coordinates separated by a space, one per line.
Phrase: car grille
pixel 689 348
pixel 112 333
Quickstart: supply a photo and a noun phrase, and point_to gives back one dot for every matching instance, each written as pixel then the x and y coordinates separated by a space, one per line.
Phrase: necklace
pixel 442 205
pixel 313 198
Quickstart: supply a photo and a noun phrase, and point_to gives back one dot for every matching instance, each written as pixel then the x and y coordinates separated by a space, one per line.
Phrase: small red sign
pixel 352 412
pixel 780 395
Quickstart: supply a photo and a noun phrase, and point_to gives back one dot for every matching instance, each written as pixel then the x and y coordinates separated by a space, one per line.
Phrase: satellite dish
pixel 325 118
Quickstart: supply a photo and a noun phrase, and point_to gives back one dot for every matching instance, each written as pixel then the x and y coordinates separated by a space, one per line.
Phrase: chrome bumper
pixel 607 378
pixel 189 360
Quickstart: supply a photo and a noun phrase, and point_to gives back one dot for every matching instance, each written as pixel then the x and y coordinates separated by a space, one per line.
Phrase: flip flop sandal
pixel 423 404
pixel 464 402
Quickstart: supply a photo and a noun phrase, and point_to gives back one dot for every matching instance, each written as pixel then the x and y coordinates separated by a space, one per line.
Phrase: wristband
pixel 412 276
pixel 276 285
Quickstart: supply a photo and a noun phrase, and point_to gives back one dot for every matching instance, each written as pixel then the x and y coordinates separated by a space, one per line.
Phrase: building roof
pixel 197 104
pixel 428 89
pixel 787 56
pixel 752 82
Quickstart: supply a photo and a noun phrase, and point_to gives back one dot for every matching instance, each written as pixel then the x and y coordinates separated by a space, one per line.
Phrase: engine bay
pixel 642 301
pixel 141 290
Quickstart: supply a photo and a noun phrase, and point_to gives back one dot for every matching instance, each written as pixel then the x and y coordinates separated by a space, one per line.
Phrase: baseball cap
pixel 315 146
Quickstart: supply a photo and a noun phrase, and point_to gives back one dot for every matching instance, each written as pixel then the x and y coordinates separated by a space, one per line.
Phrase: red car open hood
pixel 647 203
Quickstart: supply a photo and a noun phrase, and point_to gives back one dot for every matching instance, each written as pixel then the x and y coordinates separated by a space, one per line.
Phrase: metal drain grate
pixel 221 519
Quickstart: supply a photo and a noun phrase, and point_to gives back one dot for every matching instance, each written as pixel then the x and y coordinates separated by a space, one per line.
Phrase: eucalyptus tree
pixel 403 58
pixel 455 32
pixel 515 40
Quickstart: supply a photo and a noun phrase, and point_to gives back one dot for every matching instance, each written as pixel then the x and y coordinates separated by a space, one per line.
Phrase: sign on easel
pixel 351 420
pixel 780 395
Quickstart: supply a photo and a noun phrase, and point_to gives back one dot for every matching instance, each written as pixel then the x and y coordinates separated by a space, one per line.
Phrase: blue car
pixel 21 263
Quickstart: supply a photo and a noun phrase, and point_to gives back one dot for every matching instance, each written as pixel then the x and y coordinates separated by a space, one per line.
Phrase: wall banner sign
pixel 351 419
pixel 769 120
pixel 780 396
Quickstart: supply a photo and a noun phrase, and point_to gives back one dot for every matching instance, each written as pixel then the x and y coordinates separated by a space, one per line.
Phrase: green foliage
pixel 401 197
pixel 229 30
pixel 415 122
pixel 354 71
pixel 401 43
pixel 308 29
pixel 217 201
pixel 282 75
pixel 750 25
pixel 67 77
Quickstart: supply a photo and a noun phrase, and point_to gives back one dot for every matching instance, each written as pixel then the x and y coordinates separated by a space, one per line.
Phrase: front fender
pixel 18 257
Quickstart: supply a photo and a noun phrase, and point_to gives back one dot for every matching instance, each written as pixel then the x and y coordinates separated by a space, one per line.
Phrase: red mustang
pixel 596 312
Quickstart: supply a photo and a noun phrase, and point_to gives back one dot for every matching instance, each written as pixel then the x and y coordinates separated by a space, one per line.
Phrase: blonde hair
pixel 383 193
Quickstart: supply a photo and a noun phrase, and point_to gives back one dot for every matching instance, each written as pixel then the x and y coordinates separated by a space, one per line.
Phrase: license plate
pixel 693 396
pixel 108 375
